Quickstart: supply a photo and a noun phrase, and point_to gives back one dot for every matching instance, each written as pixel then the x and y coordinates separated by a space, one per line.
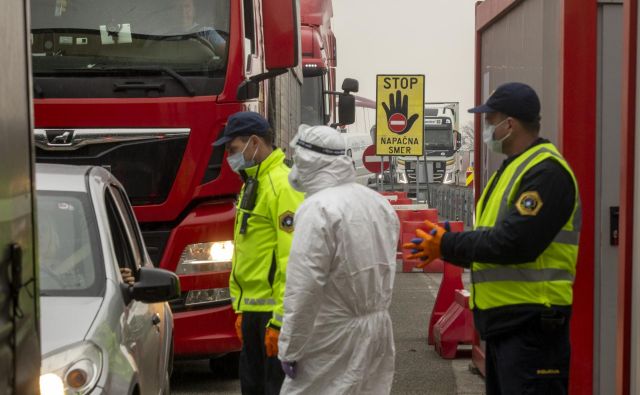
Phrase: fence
pixel 454 203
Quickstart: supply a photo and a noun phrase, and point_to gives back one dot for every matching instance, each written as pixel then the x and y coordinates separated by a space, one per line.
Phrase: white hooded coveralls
pixel 339 276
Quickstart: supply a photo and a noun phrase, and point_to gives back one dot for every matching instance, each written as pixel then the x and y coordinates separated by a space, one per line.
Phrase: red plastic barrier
pixel 455 327
pixel 401 201
pixel 451 281
pixel 407 233
pixel 423 214
pixel 477 354
pixel 398 195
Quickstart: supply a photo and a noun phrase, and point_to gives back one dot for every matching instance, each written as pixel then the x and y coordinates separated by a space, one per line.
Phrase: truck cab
pixel 441 144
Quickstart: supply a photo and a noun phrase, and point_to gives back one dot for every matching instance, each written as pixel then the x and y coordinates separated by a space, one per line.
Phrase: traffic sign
pixel 400 115
pixel 372 161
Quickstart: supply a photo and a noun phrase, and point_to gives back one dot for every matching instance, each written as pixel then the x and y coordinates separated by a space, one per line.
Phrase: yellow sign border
pixel 409 142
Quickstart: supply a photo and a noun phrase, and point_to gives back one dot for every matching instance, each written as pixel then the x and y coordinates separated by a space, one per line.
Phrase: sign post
pixel 374 163
pixel 400 117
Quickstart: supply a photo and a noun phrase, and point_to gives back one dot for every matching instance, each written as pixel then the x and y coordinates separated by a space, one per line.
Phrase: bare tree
pixel 467 136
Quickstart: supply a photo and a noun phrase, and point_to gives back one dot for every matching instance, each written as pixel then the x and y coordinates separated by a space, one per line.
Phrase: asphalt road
pixel 419 370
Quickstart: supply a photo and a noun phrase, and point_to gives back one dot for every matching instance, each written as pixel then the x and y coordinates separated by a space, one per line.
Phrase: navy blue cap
pixel 514 99
pixel 244 123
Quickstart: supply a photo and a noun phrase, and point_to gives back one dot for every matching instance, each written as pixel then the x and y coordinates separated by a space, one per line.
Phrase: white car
pixel 99 333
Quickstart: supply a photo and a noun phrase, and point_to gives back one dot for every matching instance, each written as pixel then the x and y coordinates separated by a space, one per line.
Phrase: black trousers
pixel 258 374
pixel 533 359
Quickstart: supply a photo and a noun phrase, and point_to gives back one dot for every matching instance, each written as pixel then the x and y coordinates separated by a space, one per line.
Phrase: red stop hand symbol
pixel 397 113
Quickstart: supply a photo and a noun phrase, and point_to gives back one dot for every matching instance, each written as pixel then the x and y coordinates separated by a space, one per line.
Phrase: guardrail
pixel 454 203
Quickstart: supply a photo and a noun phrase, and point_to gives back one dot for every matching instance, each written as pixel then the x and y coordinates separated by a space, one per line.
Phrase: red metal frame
pixel 578 130
pixel 577 93
pixel 625 283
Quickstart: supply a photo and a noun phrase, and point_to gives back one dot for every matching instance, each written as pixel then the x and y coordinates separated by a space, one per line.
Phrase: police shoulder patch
pixel 286 221
pixel 529 203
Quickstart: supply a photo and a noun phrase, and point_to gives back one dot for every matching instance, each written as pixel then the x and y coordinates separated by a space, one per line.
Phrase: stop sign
pixel 397 122
pixel 372 162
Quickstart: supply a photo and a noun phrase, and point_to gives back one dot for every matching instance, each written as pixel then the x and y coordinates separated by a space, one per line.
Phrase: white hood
pixel 320 160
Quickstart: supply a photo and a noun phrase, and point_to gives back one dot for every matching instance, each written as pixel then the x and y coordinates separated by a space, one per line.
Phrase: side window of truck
pixel 249 28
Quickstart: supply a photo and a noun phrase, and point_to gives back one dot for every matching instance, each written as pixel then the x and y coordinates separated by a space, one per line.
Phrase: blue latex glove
pixel 289 369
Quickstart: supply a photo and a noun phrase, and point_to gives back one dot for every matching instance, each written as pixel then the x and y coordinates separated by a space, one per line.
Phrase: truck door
pixel 19 337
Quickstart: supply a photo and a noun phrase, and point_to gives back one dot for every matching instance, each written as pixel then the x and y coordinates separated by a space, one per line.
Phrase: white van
pixel 356 144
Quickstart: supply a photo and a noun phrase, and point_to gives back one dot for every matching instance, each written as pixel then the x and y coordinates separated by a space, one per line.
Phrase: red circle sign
pixel 397 123
pixel 372 161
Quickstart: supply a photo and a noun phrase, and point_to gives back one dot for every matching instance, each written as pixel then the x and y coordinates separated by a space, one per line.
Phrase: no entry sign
pixel 400 115
pixel 372 161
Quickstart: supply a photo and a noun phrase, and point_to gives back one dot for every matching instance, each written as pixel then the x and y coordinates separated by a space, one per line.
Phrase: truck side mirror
pixel 458 140
pixel 280 21
pixel 346 109
pixel 350 85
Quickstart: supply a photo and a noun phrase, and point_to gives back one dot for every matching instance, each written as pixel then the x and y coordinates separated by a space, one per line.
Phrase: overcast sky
pixel 431 37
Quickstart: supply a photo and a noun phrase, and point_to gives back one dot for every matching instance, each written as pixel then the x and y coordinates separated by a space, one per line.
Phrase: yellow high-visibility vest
pixel 258 273
pixel 549 279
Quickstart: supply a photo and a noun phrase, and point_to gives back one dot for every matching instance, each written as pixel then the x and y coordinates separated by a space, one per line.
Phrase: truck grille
pixel 438 171
pixel 146 162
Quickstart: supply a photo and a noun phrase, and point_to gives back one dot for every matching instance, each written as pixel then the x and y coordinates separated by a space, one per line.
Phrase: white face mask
pixel 237 161
pixel 488 134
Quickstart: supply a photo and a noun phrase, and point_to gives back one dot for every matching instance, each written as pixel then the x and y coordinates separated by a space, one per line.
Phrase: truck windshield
pixel 438 138
pixel 81 37
pixel 312 111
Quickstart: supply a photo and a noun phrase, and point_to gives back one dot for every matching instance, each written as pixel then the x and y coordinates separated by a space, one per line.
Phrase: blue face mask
pixel 237 161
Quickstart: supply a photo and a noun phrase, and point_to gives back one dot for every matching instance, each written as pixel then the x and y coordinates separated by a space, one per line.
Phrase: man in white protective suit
pixel 337 336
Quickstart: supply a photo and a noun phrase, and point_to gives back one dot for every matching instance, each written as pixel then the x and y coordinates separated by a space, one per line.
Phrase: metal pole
pixel 381 185
pixel 428 195
pixel 417 173
pixel 392 173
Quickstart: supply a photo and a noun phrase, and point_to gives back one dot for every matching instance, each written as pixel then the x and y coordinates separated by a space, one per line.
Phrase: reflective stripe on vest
pixel 259 301
pixel 509 273
pixel 549 279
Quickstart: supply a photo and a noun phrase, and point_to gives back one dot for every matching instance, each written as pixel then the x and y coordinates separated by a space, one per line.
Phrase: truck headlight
pixel 73 370
pixel 202 296
pixel 206 257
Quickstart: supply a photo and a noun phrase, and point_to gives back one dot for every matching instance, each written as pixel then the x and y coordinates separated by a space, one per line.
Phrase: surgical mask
pixel 237 161
pixel 496 146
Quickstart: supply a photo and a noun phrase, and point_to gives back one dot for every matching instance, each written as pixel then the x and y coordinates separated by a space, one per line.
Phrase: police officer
pixel 522 253
pixel 263 234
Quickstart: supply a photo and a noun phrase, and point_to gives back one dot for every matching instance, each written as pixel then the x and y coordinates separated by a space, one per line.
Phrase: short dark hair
pixel 531 126
pixel 267 138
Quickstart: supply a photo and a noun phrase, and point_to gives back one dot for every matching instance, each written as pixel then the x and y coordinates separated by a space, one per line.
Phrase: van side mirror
pixel 155 285
pixel 280 21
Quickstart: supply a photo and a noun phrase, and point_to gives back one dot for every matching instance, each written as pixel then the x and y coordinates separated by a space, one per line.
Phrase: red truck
pixel 143 87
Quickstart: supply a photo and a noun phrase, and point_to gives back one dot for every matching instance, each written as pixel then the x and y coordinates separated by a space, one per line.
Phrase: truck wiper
pixel 158 69
pixel 151 68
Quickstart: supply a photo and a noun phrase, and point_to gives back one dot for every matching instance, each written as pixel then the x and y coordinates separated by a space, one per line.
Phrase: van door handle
pixel 156 319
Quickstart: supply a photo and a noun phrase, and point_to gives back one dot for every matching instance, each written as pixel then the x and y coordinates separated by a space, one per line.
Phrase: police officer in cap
pixel 522 253
pixel 262 236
